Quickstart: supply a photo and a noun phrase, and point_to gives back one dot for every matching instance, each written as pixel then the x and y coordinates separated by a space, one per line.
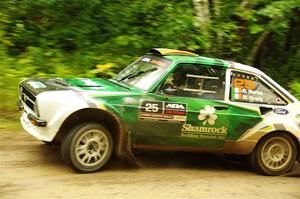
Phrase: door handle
pixel 220 107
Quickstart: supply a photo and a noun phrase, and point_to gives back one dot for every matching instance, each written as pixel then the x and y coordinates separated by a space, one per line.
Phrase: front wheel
pixel 87 147
pixel 274 155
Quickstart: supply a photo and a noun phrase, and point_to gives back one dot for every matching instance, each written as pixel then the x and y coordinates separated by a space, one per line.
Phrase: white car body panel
pixel 54 107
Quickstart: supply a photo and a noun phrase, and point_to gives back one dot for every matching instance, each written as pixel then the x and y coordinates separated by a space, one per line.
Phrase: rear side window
pixel 198 81
pixel 246 87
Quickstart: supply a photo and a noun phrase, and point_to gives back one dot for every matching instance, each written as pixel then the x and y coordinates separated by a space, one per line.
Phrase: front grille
pixel 27 97
pixel 28 94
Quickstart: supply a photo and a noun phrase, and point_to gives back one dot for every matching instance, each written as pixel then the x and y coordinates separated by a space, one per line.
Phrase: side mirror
pixel 170 91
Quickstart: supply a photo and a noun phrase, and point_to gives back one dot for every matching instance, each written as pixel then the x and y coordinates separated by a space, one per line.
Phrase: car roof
pixel 180 56
pixel 198 59
pixel 185 56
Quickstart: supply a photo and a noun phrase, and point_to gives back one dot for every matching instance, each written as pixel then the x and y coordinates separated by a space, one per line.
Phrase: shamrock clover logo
pixel 207 115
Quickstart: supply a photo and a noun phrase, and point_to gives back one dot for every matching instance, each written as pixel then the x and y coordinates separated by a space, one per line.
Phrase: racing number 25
pixel 149 107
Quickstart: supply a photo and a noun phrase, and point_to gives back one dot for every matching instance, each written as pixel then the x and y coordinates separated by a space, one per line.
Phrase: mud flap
pixel 124 150
pixel 129 156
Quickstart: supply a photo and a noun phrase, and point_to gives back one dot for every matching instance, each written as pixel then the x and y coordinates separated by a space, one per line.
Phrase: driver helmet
pixel 179 76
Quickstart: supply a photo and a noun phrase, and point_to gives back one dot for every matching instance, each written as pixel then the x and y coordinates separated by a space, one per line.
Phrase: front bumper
pixel 40 132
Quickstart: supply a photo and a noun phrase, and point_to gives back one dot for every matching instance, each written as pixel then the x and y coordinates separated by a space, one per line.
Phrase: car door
pixel 189 110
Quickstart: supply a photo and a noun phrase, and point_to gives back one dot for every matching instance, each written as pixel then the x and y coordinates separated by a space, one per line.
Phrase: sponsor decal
pixel 175 108
pixel 128 100
pixel 189 130
pixel 278 100
pixel 244 88
pixel 251 98
pixel 157 62
pixel 188 127
pixel 244 84
pixel 162 111
pixel 146 59
pixel 89 83
pixel 154 61
pixel 280 111
pixel 208 118
pixel 36 84
pixel 207 115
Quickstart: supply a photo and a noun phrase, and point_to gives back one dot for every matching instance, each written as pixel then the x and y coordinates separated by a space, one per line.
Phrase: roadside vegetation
pixel 55 38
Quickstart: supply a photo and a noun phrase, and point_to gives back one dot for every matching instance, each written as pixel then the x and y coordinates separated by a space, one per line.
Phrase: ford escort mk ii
pixel 166 100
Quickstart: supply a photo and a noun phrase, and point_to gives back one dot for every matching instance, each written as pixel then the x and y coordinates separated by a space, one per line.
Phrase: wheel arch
pixel 279 131
pixel 248 145
pixel 109 120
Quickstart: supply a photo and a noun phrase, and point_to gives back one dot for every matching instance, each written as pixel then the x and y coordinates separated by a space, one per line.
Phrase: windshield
pixel 144 72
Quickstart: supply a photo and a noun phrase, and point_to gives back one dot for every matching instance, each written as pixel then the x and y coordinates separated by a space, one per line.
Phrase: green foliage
pixel 295 88
pixel 287 74
pixel 51 38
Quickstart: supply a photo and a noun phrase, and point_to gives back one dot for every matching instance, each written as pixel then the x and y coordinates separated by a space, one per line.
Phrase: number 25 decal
pixel 151 107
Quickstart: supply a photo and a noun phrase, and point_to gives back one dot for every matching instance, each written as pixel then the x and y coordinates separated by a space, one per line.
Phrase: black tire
pixel 274 155
pixel 87 147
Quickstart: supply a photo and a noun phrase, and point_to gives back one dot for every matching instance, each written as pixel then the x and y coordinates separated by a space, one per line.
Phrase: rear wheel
pixel 274 155
pixel 87 147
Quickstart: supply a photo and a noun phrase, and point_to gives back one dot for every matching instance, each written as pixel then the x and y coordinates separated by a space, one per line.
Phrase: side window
pixel 249 88
pixel 193 80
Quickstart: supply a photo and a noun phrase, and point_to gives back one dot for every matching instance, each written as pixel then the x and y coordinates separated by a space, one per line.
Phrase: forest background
pixel 88 38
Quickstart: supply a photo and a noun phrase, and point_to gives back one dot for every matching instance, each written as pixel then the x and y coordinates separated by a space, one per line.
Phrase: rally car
pixel 166 100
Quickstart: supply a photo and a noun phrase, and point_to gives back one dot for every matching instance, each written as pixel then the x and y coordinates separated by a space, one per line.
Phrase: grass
pixel 9 120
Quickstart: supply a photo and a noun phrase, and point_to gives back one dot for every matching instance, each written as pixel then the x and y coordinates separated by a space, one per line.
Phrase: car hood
pixel 89 85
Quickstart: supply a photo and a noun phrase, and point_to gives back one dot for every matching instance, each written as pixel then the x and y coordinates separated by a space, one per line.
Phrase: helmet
pixel 179 75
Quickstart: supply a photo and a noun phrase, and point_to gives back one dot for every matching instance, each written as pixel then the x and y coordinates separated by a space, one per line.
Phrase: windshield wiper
pixel 113 81
pixel 132 75
pixel 88 86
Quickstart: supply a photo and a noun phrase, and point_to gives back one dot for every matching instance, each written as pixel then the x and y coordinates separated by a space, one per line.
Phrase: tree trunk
pixel 201 8
pixel 256 47
pixel 202 11
pixel 217 39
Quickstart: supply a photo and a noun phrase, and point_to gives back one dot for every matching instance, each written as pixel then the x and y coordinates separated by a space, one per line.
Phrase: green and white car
pixel 166 100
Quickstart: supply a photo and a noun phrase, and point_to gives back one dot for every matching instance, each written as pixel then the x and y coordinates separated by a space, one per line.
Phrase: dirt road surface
pixel 32 169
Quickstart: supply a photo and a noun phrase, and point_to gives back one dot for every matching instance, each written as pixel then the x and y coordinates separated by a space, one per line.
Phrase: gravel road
pixel 32 169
